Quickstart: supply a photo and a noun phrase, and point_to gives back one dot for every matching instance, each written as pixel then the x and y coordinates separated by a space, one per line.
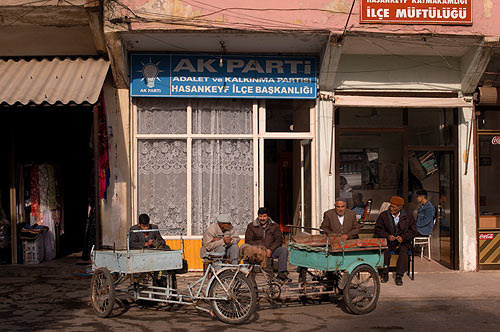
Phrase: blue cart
pixel 150 275
pixel 346 269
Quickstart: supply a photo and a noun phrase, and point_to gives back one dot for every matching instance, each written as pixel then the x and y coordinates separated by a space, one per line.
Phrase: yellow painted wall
pixel 191 252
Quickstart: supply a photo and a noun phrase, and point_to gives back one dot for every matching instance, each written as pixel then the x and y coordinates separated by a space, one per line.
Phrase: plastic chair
pixel 422 241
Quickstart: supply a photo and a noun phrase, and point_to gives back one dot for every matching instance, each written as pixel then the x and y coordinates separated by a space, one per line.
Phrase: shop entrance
pixel 488 201
pixel 386 152
pixel 433 172
pixel 49 152
pixel 287 181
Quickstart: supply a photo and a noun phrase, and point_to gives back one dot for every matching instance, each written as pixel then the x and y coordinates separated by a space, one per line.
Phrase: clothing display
pixel 43 199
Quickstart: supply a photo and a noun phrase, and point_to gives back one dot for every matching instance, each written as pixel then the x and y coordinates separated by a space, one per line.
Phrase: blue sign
pixel 227 76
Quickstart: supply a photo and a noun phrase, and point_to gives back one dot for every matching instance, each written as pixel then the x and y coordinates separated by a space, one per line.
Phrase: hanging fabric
pixel 102 136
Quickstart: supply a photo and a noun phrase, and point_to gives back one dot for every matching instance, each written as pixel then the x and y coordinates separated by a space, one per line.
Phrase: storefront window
pixel 489 118
pixel 430 127
pixel 222 117
pixel 155 116
pixel 371 118
pixel 222 182
pixel 489 181
pixel 221 167
pixel 288 115
pixel 162 169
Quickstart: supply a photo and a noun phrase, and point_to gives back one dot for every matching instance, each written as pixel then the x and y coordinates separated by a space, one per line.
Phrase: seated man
pixel 264 231
pixel 221 237
pixel 340 221
pixel 139 240
pixel 399 229
pixel 359 206
pixel 425 214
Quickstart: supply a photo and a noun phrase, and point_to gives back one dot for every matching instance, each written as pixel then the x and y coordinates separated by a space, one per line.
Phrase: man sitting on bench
pixel 399 229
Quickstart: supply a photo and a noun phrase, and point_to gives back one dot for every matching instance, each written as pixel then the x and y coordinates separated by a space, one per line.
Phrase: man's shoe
pixel 384 278
pixel 399 281
pixel 283 277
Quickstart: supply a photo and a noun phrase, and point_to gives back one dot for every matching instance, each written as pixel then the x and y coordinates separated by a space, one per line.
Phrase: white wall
pixel 387 72
pixel 466 205
pixel 325 183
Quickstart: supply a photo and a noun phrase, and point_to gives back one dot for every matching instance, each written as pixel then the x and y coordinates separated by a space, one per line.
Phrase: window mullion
pixel 189 169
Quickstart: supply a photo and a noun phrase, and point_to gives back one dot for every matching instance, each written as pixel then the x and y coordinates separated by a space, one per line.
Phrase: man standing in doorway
pixel 341 221
pixel 221 237
pixel 425 214
pixel 264 231
pixel 399 229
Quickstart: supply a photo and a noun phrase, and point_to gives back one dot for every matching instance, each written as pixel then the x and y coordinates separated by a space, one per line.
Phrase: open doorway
pixel 287 181
pixel 53 144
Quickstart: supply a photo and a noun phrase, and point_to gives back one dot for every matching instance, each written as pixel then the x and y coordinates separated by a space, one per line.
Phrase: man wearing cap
pixel 341 221
pixel 221 237
pixel 264 231
pixel 399 229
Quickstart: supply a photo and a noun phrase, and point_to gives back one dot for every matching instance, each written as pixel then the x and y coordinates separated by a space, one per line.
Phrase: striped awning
pixel 52 80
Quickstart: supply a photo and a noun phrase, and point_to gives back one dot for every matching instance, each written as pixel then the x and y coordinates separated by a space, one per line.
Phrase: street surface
pixel 50 297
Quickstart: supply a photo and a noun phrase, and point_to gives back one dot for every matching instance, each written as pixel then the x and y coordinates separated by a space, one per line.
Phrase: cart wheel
pixel 241 298
pixel 102 292
pixel 362 290
pixel 273 291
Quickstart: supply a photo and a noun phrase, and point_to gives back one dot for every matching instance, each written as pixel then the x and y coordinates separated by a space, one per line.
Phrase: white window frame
pixel 259 134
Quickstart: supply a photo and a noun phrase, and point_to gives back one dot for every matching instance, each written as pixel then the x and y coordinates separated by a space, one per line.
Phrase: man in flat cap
pixel 340 221
pixel 221 237
pixel 399 229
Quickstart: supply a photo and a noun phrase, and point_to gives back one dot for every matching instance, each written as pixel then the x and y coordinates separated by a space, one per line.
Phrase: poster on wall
pixel 449 12
pixel 222 76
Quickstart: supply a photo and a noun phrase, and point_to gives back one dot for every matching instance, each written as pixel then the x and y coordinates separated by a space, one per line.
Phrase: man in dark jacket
pixel 264 231
pixel 399 229
pixel 139 240
pixel 340 221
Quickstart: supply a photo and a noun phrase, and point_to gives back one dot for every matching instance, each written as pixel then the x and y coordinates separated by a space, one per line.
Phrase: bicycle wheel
pixel 102 292
pixel 241 297
pixel 362 290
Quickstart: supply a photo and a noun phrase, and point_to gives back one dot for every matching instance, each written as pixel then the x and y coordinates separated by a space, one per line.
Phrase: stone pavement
pixel 53 296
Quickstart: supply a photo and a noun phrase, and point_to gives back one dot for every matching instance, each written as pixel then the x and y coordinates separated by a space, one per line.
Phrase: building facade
pixel 393 110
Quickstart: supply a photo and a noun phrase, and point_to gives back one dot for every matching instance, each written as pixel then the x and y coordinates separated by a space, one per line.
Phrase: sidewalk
pixel 441 283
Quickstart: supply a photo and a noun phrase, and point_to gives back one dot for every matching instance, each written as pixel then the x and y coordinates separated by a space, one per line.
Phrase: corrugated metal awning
pixel 396 102
pixel 52 81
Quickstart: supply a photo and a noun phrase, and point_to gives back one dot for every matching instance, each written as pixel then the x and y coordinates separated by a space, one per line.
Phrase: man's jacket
pixel 331 223
pixel 385 226
pixel 269 237
pixel 138 239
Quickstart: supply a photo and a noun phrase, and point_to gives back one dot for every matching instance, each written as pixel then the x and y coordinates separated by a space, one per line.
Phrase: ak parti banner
pixel 456 12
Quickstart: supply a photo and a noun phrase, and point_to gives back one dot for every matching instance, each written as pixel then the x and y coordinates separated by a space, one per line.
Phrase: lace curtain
pixel 162 170
pixel 217 116
pixel 222 170
pixel 161 116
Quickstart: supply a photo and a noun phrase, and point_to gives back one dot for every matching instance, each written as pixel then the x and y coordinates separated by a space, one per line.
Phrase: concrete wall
pixel 466 199
pixel 290 15
pixel 392 72
pixel 116 209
